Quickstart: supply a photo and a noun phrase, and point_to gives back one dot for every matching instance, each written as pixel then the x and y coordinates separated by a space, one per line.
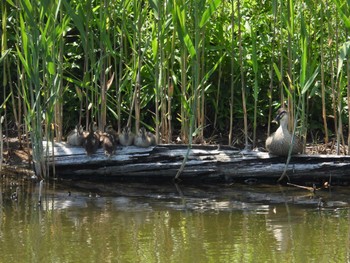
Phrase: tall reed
pixel 181 67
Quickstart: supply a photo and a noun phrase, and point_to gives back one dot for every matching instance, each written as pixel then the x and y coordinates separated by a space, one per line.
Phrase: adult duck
pixel 280 141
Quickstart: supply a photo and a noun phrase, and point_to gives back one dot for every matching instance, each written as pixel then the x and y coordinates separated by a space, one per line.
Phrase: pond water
pixel 119 222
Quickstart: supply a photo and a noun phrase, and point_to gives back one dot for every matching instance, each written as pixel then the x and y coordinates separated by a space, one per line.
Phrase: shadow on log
pixel 205 164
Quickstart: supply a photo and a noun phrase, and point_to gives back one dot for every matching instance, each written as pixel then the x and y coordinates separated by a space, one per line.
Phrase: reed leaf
pixel 4 54
pixel 212 6
pixel 343 55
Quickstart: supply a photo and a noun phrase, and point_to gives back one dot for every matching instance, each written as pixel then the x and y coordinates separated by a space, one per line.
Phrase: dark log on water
pixel 205 163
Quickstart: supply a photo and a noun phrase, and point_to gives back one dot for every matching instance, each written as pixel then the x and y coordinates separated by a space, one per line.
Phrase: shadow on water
pixel 131 222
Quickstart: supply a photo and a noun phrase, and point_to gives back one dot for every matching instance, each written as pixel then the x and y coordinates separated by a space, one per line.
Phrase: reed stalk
pixel 243 87
pixel 348 98
pixel 123 8
pixel 271 75
pixel 157 63
pixel 323 85
pixel 5 74
pixel 1 143
pixel 256 83
pixel 74 47
pixel 180 8
pixel 232 86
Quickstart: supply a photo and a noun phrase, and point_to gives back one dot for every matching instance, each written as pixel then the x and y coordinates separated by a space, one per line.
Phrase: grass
pixel 184 68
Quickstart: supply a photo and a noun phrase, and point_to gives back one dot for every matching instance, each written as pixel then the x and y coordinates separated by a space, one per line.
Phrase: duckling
pixel 92 140
pixel 109 129
pixel 144 138
pixel 108 142
pixel 76 137
pixel 280 141
pixel 126 138
pixel 152 138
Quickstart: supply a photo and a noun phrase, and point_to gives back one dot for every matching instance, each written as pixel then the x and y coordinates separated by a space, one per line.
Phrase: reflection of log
pixel 205 163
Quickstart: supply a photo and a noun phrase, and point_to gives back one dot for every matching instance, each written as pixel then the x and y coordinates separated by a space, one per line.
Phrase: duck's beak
pixel 276 119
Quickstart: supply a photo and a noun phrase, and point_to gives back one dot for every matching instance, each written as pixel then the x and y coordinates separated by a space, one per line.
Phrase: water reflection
pixel 172 223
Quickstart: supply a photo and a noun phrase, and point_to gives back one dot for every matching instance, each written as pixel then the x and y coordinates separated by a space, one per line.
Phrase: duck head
pixel 282 116
pixel 142 133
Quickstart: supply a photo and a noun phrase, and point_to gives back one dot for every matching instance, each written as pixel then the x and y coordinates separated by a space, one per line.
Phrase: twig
pixel 311 189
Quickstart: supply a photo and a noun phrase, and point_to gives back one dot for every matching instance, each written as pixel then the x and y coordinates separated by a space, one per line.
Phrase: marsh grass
pixel 185 68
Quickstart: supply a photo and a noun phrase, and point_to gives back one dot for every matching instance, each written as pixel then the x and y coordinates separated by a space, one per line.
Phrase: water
pixel 173 223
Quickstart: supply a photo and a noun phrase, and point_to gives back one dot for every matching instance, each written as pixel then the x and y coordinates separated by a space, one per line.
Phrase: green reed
pixel 179 67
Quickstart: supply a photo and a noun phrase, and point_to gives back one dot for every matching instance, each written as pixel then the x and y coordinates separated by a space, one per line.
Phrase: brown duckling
pixel 279 142
pixel 92 140
pixel 152 138
pixel 76 137
pixel 126 137
pixel 144 138
pixel 108 141
pixel 109 129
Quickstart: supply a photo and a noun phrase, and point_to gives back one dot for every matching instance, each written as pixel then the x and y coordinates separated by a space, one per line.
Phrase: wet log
pixel 205 163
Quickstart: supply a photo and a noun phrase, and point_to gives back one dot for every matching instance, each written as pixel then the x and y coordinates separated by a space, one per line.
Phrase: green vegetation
pixel 187 68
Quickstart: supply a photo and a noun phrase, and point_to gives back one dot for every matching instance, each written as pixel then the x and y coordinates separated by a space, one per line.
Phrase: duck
pixel 279 142
pixel 108 142
pixel 152 138
pixel 126 138
pixel 76 137
pixel 92 140
pixel 144 138
pixel 109 129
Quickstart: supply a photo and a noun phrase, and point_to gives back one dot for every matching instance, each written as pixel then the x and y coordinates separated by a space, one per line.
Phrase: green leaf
pixel 343 10
pixel 154 5
pixel 4 54
pixel 77 19
pixel 310 81
pixel 183 34
pixel 304 49
pixel 24 36
pixel 343 53
pixel 51 68
pixel 11 3
pixel 189 45
pixel 24 62
pixel 277 71
pixel 213 5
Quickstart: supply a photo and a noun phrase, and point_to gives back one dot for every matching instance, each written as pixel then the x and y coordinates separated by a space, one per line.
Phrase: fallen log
pixel 205 163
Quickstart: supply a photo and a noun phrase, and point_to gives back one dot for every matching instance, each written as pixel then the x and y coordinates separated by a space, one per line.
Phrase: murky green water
pixel 169 223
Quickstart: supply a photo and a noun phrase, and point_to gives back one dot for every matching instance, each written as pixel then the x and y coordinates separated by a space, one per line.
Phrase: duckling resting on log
pixel 76 137
pixel 108 141
pixel 144 138
pixel 92 140
pixel 280 141
pixel 126 137
pixel 109 129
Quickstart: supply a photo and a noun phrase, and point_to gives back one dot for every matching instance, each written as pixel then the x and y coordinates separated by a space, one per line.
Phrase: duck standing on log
pixel 144 138
pixel 92 140
pixel 126 137
pixel 279 142
pixel 76 137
